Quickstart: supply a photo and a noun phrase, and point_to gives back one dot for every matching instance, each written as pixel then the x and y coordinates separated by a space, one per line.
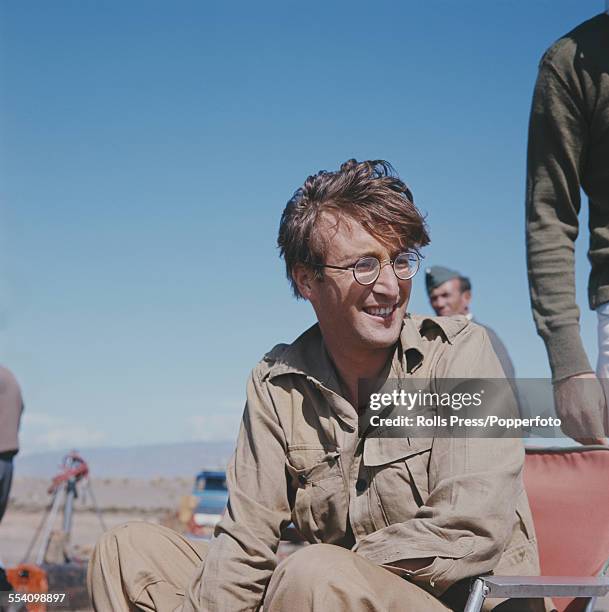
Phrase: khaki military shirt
pixel 458 501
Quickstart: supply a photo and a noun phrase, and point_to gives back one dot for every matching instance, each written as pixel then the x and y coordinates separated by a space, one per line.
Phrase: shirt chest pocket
pixel 399 470
pixel 320 506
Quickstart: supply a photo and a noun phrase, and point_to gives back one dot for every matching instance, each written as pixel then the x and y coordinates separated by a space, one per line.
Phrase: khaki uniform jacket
pixel 298 458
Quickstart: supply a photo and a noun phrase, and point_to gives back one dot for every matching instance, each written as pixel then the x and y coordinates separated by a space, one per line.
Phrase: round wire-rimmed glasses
pixel 366 270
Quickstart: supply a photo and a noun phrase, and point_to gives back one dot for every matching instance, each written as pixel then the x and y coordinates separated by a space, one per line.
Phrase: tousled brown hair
pixel 369 192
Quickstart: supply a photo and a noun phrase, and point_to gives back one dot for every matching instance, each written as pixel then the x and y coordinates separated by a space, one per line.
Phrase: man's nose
pixel 387 282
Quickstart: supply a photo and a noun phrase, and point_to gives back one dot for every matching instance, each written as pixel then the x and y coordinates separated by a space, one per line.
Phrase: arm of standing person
pixel 558 140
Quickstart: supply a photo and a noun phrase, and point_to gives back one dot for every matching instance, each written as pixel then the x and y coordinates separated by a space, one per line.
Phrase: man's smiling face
pixel 354 317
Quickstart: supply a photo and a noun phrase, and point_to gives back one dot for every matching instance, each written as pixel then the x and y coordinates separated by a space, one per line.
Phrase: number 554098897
pixel 36 597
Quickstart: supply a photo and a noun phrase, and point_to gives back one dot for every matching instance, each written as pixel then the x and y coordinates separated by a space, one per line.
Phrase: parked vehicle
pixel 212 495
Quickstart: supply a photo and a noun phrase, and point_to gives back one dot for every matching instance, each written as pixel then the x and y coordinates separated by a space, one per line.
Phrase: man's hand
pixel 580 404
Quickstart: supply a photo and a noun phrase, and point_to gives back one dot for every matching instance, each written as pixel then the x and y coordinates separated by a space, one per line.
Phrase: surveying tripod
pixel 43 575
pixel 74 471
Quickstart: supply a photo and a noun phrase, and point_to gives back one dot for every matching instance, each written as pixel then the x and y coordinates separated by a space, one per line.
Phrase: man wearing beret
pixel 399 523
pixel 450 293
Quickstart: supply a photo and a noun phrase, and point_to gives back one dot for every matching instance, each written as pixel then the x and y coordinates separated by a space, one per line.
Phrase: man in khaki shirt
pixel 395 523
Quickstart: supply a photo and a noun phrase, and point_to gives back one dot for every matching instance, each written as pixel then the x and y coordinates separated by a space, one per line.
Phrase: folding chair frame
pixel 518 587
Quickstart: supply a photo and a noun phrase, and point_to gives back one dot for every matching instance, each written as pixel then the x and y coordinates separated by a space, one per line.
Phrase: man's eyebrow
pixel 367 253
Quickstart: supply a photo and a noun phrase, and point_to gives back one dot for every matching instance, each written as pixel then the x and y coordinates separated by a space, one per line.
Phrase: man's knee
pixel 311 567
pixel 323 576
pixel 316 560
pixel 119 565
pixel 124 533
pixel 119 540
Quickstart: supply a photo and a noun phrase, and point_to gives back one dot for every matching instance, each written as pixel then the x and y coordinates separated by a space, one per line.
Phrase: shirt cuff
pixel 434 577
pixel 566 353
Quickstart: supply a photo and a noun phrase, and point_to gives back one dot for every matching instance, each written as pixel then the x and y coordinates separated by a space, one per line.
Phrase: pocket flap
pixel 379 451
pixel 309 473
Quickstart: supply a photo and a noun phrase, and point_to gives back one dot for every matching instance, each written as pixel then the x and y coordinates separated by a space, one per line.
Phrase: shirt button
pixel 361 485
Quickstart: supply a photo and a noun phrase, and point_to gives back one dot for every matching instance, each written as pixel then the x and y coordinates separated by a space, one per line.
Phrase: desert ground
pixel 119 500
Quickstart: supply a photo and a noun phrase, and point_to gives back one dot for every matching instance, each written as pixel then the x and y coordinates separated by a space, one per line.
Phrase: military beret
pixel 436 275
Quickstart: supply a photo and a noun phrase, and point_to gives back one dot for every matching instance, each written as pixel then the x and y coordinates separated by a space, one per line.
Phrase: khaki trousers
pixel 143 566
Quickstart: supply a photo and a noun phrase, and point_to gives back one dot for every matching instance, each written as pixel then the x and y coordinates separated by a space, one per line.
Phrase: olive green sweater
pixel 568 148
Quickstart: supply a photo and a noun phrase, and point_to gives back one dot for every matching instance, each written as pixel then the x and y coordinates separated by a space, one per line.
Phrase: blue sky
pixel 147 150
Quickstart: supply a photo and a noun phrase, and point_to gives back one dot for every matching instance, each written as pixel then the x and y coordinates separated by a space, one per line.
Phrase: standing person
pixel 450 293
pixel 569 149
pixel 11 407
pixel 395 523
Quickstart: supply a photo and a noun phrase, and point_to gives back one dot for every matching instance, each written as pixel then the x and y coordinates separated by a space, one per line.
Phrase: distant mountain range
pixel 151 461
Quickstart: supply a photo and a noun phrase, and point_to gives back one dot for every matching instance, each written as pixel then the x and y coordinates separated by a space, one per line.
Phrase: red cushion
pixel 568 491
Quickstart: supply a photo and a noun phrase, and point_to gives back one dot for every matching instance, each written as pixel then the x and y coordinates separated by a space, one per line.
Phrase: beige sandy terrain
pixel 112 494
pixel 120 500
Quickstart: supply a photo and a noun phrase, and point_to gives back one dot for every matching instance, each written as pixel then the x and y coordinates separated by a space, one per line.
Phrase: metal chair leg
pixel 476 597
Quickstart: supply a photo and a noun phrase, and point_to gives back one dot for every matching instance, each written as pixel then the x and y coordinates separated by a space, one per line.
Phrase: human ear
pixel 303 277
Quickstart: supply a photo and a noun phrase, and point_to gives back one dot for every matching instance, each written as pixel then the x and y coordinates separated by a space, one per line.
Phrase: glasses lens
pixel 406 265
pixel 366 270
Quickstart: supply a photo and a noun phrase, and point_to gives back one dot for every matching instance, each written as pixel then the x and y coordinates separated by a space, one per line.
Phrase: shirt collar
pixel 308 356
